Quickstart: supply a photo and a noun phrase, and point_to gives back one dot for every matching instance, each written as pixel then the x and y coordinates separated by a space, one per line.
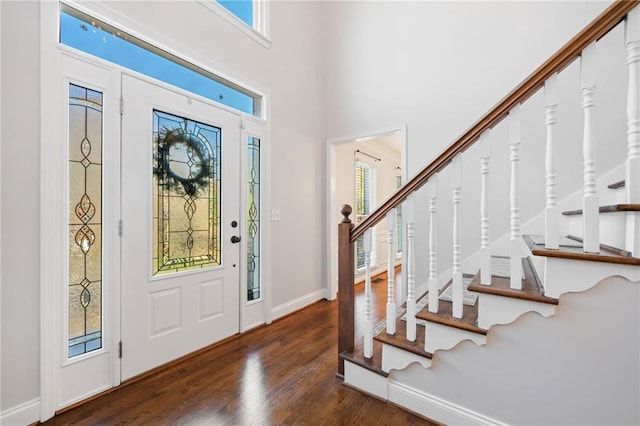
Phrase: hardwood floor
pixel 283 373
pixel 378 300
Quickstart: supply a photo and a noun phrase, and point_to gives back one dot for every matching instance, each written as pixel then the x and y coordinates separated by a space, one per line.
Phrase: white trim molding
pixel 23 414
pixel 1 126
pixel 51 259
pixel 435 408
pixel 259 32
pixel 297 304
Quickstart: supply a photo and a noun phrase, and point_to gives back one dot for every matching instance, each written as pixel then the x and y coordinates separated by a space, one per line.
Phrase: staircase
pixel 540 325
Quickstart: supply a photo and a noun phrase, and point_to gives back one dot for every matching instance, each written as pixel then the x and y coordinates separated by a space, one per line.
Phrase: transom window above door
pixel 248 16
pixel 85 33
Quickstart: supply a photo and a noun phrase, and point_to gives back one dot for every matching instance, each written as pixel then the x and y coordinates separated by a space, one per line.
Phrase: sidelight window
pixel 253 219
pixel 85 220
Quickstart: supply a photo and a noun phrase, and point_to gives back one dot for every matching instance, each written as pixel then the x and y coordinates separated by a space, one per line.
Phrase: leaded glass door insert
pixel 85 217
pixel 253 218
pixel 186 186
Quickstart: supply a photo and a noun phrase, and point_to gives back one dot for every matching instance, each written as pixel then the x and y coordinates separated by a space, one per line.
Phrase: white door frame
pixel 52 269
pixel 332 207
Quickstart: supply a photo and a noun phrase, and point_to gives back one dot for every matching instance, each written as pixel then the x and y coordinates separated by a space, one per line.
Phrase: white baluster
pixel 485 250
pixel 391 303
pixel 457 284
pixel 590 208
pixel 632 174
pixel 515 242
pixel 368 321
pixel 432 193
pixel 552 220
pixel 411 297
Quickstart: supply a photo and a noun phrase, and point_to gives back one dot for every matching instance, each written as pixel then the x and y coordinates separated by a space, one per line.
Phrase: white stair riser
pixel 566 275
pixel 612 228
pixel 632 241
pixel 365 380
pixel 398 359
pixel 504 310
pixel 439 337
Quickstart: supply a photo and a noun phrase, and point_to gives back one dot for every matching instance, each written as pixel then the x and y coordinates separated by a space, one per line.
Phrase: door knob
pixel 235 239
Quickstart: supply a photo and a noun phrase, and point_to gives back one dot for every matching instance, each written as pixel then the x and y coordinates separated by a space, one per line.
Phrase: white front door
pixel 180 223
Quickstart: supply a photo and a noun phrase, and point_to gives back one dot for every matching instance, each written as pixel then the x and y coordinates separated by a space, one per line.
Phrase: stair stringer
pixel 572 276
pixel 494 309
pixel 442 337
pixel 528 366
pixel 394 358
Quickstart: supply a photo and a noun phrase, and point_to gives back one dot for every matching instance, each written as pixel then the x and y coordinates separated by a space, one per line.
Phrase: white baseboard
pixel 23 414
pixel 435 408
pixel 365 380
pixel 295 304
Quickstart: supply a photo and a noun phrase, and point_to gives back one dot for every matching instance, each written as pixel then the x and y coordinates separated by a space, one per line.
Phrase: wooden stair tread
pixel 357 357
pixel 608 209
pixel 501 286
pixel 399 340
pixel 616 185
pixel 444 316
pixel 607 254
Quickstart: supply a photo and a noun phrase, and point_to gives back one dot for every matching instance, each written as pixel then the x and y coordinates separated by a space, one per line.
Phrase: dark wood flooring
pixel 281 374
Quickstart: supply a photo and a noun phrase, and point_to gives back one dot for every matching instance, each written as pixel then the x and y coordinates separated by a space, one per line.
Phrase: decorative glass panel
pixel 85 220
pixel 253 219
pixel 186 186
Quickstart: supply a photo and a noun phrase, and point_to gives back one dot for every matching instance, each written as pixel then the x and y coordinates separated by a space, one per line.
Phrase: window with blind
pixel 365 184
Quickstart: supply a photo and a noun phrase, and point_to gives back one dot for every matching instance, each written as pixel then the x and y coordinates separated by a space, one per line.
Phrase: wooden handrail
pixel 598 28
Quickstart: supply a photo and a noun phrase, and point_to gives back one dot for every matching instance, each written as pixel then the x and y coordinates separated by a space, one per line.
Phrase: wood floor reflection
pixel 379 295
pixel 281 374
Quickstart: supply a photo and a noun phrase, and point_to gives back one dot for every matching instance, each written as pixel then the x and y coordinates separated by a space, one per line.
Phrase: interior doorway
pixel 363 171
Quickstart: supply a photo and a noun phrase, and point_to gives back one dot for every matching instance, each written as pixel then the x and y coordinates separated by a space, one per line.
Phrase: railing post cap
pixel 346 210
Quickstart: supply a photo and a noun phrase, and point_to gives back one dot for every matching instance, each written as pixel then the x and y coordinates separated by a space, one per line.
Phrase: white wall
pixel 579 367
pixel 20 182
pixel 438 66
pixel 290 71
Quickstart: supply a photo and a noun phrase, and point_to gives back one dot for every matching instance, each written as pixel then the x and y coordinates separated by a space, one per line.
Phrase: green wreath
pixel 198 153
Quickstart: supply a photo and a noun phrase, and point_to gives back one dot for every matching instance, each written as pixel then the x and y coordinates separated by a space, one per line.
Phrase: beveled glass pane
pixel 253 219
pixel 186 182
pixel 85 220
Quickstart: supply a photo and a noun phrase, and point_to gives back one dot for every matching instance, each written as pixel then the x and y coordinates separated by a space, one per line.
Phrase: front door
pixel 180 224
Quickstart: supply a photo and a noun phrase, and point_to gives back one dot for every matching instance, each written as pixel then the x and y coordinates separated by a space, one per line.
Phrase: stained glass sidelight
pixel 253 219
pixel 85 217
pixel 186 194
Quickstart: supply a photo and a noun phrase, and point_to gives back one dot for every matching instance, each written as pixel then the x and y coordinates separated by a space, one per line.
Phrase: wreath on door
pixel 183 162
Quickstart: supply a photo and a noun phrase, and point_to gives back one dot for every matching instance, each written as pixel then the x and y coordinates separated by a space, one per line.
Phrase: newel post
pixel 346 265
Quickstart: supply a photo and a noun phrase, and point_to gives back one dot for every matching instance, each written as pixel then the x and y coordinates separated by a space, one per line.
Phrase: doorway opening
pixel 364 170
